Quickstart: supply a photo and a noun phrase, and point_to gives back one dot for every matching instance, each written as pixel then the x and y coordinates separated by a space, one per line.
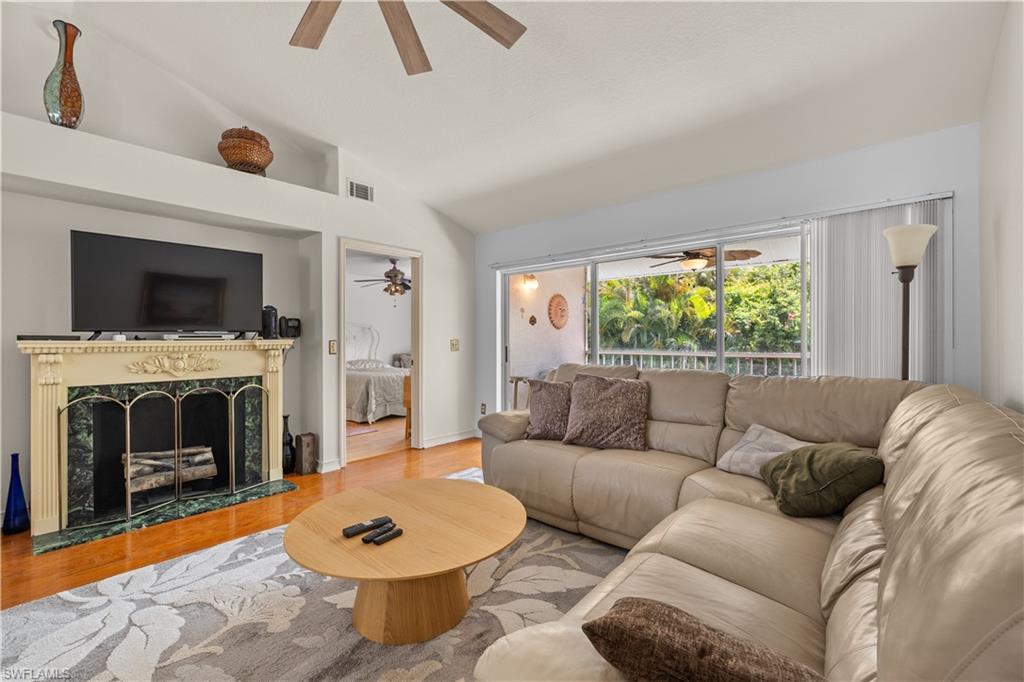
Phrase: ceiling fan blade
pixel 741 254
pixel 314 24
pixel 407 40
pixel 668 262
pixel 488 19
pixel 371 284
pixel 375 279
pixel 407 287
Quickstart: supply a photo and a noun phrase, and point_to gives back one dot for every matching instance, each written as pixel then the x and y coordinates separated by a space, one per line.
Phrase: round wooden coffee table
pixel 412 588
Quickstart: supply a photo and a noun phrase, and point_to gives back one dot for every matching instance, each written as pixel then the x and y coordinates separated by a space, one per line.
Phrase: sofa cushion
pixel 651 641
pixel 686 412
pixel 915 411
pixel 568 371
pixel 549 409
pixel 851 636
pixel 818 409
pixel 505 426
pixel 765 553
pixel 758 446
pixel 539 473
pixel 608 413
pixel 857 547
pixel 821 479
pixel 744 490
pixel 717 602
pixel 627 491
pixel 951 602
pixel 528 654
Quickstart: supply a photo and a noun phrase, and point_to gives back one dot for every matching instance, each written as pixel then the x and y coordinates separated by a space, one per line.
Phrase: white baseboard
pixel 450 438
pixel 326 466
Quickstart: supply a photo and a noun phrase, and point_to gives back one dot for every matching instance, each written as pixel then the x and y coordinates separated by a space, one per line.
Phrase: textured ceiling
pixel 597 103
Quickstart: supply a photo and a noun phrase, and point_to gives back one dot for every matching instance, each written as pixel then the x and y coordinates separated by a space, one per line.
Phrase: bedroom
pixel 378 353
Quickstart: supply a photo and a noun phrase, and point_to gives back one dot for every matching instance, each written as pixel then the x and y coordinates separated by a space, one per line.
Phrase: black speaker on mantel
pixel 269 322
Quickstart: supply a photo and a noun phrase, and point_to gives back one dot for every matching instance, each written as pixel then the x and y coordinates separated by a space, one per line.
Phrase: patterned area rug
pixel 244 611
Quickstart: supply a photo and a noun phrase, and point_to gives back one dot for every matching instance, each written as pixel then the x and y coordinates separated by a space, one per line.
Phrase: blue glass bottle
pixel 16 512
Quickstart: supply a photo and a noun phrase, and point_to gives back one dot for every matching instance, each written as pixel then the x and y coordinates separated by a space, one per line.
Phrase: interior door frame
pixel 416 259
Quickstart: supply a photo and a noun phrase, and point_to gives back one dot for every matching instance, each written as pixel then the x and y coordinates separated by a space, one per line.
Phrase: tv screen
pixel 126 284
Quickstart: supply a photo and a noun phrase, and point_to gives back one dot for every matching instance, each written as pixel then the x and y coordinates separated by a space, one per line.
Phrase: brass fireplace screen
pixel 159 465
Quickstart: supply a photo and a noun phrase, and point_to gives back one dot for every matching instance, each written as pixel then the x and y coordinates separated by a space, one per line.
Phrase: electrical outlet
pixel 483 408
pixel 332 347
pixel 454 345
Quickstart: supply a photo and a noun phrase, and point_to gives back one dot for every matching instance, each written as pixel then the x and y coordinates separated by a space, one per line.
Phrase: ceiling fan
pixel 485 16
pixel 394 280
pixel 698 259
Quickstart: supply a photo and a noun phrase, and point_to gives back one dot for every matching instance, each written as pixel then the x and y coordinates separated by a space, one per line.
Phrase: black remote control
pixel 361 528
pixel 373 535
pixel 390 535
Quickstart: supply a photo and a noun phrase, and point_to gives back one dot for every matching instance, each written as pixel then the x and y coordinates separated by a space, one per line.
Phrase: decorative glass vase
pixel 288 449
pixel 62 95
pixel 16 511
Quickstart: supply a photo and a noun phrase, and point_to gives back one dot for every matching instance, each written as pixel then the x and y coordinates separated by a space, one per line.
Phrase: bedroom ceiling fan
pixel 394 280
pixel 698 259
pixel 485 16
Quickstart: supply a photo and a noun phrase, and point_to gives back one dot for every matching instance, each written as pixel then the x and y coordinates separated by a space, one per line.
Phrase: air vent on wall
pixel 358 190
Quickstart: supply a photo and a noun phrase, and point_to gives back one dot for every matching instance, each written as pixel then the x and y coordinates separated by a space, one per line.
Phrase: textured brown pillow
pixel 650 641
pixel 822 478
pixel 549 409
pixel 608 413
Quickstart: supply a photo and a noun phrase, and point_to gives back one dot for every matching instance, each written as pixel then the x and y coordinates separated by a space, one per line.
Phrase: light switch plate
pixel 332 347
pixel 454 345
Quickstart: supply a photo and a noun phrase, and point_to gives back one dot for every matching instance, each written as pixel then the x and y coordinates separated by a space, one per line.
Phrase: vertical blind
pixel 855 299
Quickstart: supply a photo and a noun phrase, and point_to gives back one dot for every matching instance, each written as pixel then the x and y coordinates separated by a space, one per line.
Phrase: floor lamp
pixel 906 246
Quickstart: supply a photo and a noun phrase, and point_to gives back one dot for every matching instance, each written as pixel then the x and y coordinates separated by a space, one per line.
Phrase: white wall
pixel 1002 225
pixel 946 160
pixel 129 98
pixel 390 315
pixel 534 349
pixel 36 290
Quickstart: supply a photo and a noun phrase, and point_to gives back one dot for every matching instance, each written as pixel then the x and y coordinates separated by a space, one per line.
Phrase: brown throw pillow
pixel 651 641
pixel 608 413
pixel 549 409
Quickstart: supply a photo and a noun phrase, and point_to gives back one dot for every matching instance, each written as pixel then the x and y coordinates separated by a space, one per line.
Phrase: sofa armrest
pixel 505 426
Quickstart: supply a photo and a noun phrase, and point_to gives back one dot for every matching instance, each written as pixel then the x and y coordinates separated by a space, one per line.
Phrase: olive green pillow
pixel 821 479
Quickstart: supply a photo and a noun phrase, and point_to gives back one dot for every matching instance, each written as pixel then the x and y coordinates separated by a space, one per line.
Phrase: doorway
pixel 381 313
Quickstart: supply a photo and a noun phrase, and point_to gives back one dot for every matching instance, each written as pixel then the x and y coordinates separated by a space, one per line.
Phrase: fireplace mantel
pixel 59 365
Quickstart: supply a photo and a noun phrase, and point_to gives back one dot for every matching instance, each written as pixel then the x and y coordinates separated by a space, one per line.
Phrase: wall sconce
pixel 530 283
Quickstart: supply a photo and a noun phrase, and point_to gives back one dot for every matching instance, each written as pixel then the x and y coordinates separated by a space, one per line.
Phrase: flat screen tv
pixel 124 284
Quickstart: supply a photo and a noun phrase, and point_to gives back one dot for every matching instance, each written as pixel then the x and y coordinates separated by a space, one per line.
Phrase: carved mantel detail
pixel 175 364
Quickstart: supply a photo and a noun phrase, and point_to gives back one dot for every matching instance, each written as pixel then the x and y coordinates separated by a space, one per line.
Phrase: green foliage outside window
pixel 677 312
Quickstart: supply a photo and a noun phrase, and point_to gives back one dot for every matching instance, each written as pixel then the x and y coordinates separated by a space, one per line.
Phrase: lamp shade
pixel 908 242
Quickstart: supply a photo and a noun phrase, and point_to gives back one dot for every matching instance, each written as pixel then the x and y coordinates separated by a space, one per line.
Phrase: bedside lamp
pixel 906 247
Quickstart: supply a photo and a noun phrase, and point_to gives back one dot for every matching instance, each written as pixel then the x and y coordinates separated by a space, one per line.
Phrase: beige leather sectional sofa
pixel 920 579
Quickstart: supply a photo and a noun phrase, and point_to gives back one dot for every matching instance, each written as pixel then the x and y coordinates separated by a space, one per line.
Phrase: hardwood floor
pixel 26 577
pixel 388 437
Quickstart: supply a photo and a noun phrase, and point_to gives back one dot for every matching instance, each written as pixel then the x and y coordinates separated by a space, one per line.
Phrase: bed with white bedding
pixel 373 388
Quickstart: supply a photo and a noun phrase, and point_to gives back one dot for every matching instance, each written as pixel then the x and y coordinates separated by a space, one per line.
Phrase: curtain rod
pixel 760 228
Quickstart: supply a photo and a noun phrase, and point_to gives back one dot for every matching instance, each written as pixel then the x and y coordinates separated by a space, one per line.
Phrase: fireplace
pixel 188 439
pixel 131 433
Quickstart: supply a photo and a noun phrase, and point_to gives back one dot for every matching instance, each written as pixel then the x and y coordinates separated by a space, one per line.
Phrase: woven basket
pixel 245 150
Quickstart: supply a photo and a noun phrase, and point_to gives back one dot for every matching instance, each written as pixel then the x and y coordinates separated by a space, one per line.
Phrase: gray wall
pixel 946 160
pixel 36 291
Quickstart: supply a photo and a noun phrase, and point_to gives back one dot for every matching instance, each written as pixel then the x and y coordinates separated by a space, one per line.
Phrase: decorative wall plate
pixel 558 311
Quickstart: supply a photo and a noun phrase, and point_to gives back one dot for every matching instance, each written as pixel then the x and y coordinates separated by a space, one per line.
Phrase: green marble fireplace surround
pixel 203 410
pixel 94 422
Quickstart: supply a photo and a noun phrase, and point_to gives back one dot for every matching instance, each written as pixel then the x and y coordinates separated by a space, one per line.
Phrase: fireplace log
pixel 151 470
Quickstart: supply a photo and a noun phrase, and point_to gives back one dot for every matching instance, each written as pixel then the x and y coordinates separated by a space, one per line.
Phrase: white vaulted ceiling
pixel 597 103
